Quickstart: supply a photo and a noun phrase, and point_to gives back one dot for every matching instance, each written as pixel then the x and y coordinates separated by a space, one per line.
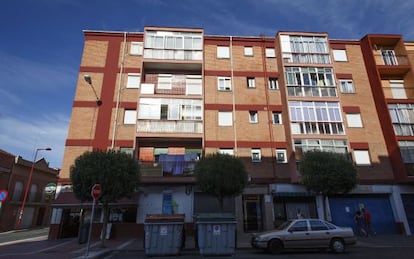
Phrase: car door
pixel 297 235
pixel 320 234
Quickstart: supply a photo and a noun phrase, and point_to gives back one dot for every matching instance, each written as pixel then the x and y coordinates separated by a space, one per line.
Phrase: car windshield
pixel 284 225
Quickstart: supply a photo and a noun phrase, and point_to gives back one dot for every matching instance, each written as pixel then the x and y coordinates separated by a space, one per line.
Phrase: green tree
pixel 116 172
pixel 221 176
pixel 327 173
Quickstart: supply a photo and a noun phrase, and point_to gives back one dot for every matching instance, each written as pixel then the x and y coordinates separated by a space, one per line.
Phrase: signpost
pixel 96 193
pixel 3 197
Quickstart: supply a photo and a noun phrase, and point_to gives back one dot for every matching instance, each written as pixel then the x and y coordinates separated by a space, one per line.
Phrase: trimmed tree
pixel 221 175
pixel 327 173
pixel 116 172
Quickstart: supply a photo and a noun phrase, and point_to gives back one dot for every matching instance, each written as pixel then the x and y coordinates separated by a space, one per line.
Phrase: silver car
pixel 304 233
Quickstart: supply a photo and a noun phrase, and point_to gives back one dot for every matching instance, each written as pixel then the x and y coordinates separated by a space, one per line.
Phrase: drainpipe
pixel 233 96
pixel 118 97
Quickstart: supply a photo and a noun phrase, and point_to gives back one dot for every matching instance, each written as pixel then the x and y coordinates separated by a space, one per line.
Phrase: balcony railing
pixel 169 126
pixel 173 54
pixel 391 60
pixel 170 165
pixel 312 91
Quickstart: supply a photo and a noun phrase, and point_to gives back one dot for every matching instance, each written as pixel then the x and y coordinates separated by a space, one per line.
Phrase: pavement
pixel 40 247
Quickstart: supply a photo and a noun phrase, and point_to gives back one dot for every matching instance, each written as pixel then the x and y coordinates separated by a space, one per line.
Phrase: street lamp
pixel 88 79
pixel 29 181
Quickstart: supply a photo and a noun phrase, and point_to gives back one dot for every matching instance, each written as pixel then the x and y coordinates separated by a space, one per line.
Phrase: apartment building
pixel 168 96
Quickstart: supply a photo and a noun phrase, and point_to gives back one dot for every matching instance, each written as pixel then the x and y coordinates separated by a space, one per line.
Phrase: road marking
pixel 40 238
pixel 123 245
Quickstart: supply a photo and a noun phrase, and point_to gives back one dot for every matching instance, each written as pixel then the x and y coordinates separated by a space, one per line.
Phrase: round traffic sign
pixel 96 191
pixel 3 195
pixel 50 188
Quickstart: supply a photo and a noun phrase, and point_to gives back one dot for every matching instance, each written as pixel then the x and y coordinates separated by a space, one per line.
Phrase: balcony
pixel 390 65
pixel 312 91
pixel 170 165
pixel 169 126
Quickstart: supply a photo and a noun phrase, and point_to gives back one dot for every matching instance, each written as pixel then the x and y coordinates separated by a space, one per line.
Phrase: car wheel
pixel 275 246
pixel 338 245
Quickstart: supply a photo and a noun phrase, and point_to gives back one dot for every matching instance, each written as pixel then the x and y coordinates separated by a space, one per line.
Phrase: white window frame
pixel 347 86
pixel 223 52
pixel 137 48
pixel 340 55
pixel 224 83
pixel 248 51
pixel 130 117
pixel 226 151
pixel 270 53
pixel 133 80
pixel 256 155
pixel 164 81
pixel 251 82
pixel 354 120
pixel 225 118
pixel 273 83
pixel 362 157
pixel 279 117
pixel 281 156
pixel 253 117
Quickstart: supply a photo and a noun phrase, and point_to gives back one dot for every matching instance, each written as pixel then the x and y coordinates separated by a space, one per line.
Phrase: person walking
pixel 360 224
pixel 367 220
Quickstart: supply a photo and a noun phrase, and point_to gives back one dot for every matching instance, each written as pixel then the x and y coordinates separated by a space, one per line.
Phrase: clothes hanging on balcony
pixel 177 164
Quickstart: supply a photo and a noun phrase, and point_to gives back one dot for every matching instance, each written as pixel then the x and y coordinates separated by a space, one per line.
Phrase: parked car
pixel 305 233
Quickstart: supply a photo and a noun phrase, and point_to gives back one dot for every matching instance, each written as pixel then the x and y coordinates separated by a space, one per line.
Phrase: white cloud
pixel 22 137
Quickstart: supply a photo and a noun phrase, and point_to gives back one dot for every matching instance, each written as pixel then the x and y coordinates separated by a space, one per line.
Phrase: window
pixel 130 117
pixel 362 157
pixel 402 117
pixel 136 48
pixel 18 191
pixel 397 89
pixel 223 52
pixel 33 192
pixel 251 82
pixel 339 55
pixel 388 55
pixel 354 120
pixel 299 226
pixel 331 145
pixel 347 86
pixel 407 151
pixel 224 83
pixel 193 85
pixel 248 51
pixel 164 81
pixel 277 117
pixel 273 84
pixel 317 225
pixel 127 150
pixel 253 117
pixel 270 53
pixel 227 151
pixel 281 156
pixel 133 80
pixel 225 118
pixel 256 155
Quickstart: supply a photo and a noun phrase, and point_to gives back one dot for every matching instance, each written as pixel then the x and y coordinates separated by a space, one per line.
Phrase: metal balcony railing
pixel 312 91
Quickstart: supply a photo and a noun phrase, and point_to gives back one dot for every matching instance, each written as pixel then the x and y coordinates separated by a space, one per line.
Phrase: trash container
pixel 163 234
pixel 216 233
pixel 83 233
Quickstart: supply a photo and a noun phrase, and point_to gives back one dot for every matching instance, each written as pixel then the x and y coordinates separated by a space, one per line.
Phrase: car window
pixel 318 225
pixel 284 225
pixel 331 226
pixel 300 225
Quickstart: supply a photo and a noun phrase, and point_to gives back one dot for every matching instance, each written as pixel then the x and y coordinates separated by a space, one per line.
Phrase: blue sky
pixel 42 40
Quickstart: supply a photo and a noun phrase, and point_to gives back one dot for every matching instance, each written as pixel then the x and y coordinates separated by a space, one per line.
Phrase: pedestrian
pixel 360 224
pixel 367 220
pixel 299 214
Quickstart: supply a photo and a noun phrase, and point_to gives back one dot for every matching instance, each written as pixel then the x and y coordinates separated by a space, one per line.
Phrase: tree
pixel 221 176
pixel 116 172
pixel 327 173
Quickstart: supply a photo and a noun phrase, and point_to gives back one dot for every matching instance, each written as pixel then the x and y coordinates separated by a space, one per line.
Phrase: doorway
pixel 252 213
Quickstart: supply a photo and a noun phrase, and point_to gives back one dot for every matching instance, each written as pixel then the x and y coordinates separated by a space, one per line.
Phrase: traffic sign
pixel 96 191
pixel 3 195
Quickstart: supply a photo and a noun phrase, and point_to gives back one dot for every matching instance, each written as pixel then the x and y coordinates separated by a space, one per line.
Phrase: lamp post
pixel 88 79
pixel 29 181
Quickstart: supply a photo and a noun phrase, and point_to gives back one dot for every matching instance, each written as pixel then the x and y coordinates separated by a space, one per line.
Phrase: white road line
pixel 40 238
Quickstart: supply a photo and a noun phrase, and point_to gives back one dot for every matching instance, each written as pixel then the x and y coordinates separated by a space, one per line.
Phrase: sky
pixel 41 45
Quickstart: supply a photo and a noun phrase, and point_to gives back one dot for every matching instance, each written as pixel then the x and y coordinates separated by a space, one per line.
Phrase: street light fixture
pixel 88 79
pixel 29 181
